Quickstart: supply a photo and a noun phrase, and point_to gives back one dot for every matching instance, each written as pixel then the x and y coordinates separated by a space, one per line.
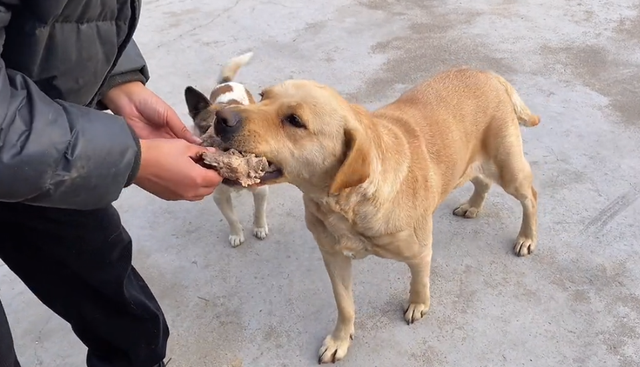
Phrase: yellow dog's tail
pixel 525 117
pixel 230 70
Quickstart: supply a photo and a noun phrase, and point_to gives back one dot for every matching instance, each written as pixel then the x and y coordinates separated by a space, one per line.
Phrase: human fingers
pixel 178 128
pixel 197 198
pixel 145 130
pixel 194 151
pixel 208 179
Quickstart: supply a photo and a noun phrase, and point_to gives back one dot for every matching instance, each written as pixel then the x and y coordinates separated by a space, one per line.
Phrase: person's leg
pixel 78 263
pixel 7 352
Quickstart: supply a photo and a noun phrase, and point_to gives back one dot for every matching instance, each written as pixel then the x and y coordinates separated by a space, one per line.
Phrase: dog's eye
pixel 294 121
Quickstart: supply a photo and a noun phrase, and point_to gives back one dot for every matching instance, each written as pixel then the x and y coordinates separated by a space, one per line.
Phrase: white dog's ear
pixel 356 167
pixel 196 101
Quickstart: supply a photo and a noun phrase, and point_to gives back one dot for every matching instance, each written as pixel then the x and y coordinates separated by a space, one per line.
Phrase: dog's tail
pixel 230 70
pixel 525 117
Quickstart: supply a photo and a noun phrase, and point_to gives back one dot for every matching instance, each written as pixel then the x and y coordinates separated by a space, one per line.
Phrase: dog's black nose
pixel 227 117
pixel 228 122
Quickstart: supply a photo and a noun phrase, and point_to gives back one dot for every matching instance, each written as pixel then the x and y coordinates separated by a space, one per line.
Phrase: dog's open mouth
pixel 273 172
pixel 239 168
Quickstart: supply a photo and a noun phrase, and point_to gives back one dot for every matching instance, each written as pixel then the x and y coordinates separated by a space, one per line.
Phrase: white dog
pixel 202 111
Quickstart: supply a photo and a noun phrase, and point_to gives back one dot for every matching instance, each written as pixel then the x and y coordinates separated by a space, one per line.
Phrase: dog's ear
pixel 356 167
pixel 196 101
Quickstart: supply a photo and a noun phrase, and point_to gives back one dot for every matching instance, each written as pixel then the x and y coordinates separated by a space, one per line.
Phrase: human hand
pixel 168 170
pixel 147 114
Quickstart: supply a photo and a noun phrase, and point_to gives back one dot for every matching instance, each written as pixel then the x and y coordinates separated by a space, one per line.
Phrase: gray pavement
pixel 576 302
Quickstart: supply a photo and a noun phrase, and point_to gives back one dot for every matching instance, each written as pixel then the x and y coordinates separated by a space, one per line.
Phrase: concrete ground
pixel 576 302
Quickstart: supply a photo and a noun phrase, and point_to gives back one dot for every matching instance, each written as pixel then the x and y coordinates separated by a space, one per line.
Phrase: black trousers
pixel 78 263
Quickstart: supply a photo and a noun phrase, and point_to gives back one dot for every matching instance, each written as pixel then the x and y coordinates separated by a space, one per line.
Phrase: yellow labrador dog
pixel 371 181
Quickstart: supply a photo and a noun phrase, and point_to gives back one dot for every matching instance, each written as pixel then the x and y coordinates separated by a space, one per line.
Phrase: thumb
pixel 179 129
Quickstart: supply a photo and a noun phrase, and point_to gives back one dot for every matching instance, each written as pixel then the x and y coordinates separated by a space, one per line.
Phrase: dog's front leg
pixel 420 267
pixel 222 198
pixel 419 297
pixel 260 228
pixel 337 343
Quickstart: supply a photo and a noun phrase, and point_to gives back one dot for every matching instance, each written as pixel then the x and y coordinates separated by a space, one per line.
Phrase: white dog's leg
pixel 222 198
pixel 260 227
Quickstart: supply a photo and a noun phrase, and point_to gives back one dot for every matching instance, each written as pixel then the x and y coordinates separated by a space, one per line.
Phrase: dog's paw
pixel 467 211
pixel 261 232
pixel 524 246
pixel 334 350
pixel 415 312
pixel 236 239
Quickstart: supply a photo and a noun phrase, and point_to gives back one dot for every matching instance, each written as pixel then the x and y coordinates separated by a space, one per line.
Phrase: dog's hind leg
pixel 519 184
pixel 516 179
pixel 472 207
pixel 514 172
pixel 260 227
pixel 222 198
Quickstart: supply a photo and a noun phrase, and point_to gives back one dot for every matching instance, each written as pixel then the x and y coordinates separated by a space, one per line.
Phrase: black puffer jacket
pixel 58 58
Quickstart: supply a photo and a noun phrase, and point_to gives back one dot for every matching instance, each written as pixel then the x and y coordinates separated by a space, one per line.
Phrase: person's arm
pixel 58 154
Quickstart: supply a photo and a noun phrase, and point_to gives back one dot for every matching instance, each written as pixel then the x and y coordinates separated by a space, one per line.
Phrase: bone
pixel 232 165
pixel 246 169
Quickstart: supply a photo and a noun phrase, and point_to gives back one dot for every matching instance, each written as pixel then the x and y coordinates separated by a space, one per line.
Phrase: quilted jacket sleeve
pixel 130 67
pixel 57 154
